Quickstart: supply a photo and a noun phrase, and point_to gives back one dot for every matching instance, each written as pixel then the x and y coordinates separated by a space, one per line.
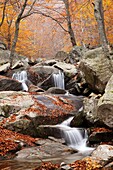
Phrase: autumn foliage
pixel 43 36
pixel 9 141
pixel 47 166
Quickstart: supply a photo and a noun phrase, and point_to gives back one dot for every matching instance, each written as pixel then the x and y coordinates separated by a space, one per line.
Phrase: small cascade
pixel 76 138
pixel 21 77
pixel 58 79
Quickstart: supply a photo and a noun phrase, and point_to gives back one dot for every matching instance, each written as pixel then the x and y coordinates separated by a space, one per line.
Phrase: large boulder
pixel 9 84
pixel 97 69
pixel 87 116
pixel 25 112
pixel 42 75
pixel 105 105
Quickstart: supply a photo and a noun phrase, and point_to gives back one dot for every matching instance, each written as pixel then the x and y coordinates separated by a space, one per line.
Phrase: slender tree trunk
pixel 69 24
pixel 17 23
pixel 20 16
pixel 9 36
pixel 99 15
pixel 3 12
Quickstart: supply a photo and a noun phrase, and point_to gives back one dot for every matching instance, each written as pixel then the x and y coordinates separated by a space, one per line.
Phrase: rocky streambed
pixel 28 116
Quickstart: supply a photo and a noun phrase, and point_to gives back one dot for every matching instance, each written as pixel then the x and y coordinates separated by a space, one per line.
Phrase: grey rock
pixel 105 105
pixel 9 84
pixel 47 150
pixel 103 153
pixel 97 69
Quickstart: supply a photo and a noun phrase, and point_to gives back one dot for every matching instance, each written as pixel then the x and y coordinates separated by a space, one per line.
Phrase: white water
pixel 21 77
pixel 58 79
pixel 74 137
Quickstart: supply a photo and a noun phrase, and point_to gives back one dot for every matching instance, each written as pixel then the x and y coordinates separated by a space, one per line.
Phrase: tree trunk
pixel 99 15
pixel 17 23
pixel 9 35
pixel 3 12
pixel 69 24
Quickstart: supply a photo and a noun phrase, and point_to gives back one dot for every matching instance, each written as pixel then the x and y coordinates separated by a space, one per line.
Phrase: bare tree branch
pixel 3 12
pixel 29 11
pixel 48 16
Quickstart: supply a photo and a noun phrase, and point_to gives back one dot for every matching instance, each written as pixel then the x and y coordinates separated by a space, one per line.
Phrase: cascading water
pixel 21 77
pixel 58 79
pixel 74 137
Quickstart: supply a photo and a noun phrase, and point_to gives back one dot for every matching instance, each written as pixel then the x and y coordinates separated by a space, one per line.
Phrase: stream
pixel 31 164
pixel 73 137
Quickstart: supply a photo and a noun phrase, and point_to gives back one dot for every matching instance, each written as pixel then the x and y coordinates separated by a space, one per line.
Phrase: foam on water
pixel 76 138
pixel 58 79
pixel 21 77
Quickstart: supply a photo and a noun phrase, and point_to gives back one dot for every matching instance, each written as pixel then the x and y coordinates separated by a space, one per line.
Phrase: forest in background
pixel 43 28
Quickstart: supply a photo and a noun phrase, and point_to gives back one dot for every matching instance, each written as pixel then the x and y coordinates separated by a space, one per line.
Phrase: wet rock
pixel 96 75
pixel 101 135
pixel 35 110
pixel 38 74
pixel 105 105
pixel 9 84
pixel 78 120
pixel 56 90
pixel 48 130
pixel 47 150
pixel 47 83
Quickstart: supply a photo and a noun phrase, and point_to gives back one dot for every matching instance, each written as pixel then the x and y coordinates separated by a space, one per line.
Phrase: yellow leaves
pixel 92 164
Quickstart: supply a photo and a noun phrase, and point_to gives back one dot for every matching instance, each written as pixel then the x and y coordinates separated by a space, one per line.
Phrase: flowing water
pixel 58 79
pixel 75 138
pixel 21 77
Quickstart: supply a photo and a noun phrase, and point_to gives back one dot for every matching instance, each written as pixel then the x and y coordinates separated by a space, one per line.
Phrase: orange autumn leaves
pixel 9 141
pixel 40 36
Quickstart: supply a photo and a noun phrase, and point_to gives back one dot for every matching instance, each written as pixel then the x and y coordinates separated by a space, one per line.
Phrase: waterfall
pixel 58 79
pixel 75 138
pixel 21 77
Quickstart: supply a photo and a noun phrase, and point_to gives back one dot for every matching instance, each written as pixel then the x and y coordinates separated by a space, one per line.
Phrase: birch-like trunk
pixel 69 24
pixel 99 15
pixel 17 23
